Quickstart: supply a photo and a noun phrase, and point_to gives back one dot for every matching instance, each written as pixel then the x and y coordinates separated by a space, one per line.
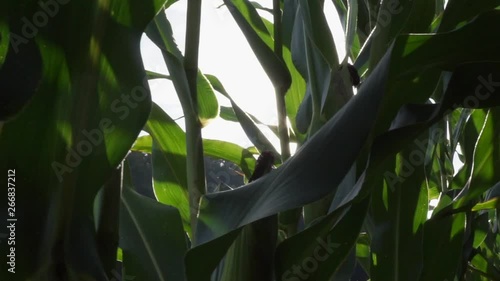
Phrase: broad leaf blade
pixel 80 128
pixel 169 162
pixel 151 237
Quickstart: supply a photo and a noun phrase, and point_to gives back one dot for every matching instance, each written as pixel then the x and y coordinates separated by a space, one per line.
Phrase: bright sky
pixel 224 52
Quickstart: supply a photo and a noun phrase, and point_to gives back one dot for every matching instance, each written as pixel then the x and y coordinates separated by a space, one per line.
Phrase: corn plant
pixel 395 177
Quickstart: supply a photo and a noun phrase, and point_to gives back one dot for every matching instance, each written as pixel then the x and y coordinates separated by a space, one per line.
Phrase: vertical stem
pixel 278 45
pixel 192 40
pixel 282 127
pixel 288 219
pixel 195 164
pixel 280 92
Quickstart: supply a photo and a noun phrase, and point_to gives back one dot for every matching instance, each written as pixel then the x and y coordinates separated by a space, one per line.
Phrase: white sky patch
pixel 332 18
